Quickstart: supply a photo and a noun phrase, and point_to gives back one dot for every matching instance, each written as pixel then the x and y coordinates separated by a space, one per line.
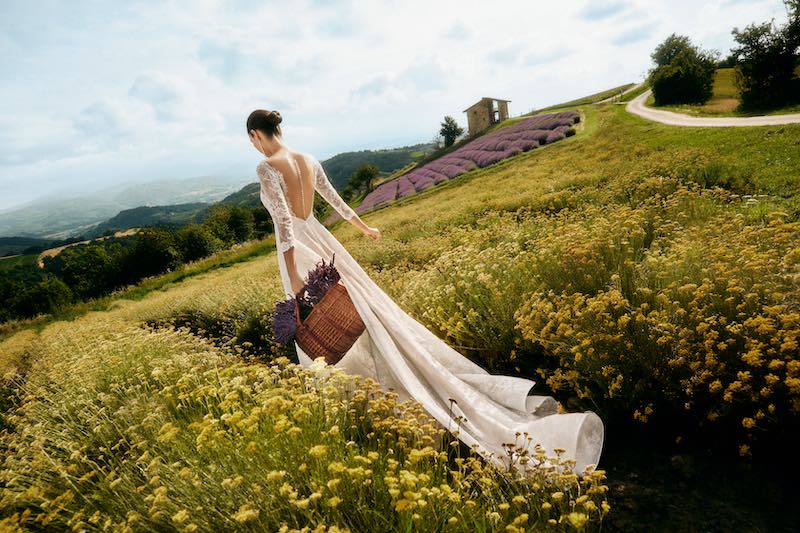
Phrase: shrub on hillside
pixel 195 242
pixel 231 224
pixel 48 295
pixel 683 74
pixel 155 252
pixel 657 319
pixel 767 57
pixel 676 301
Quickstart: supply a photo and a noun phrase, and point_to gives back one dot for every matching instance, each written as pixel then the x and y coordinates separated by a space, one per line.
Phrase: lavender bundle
pixel 322 278
pixel 319 281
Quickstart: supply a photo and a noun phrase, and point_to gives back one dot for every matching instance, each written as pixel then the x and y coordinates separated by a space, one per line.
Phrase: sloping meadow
pixel 631 269
pixel 124 421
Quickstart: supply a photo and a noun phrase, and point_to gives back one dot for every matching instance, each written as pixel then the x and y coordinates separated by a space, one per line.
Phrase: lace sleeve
pixel 273 199
pixel 323 185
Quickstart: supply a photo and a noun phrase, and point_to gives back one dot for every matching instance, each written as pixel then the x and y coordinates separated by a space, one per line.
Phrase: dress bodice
pixel 274 196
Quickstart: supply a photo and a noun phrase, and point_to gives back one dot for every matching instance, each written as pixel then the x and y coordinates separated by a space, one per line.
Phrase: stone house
pixel 485 112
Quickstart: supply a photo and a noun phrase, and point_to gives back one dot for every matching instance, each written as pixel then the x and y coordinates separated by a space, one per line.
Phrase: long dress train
pixel 402 354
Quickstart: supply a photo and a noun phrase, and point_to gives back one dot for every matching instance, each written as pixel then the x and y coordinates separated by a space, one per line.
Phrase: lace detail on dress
pixel 273 198
pixel 326 189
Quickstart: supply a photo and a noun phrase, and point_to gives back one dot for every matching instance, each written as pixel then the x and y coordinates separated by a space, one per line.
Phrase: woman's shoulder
pixel 263 166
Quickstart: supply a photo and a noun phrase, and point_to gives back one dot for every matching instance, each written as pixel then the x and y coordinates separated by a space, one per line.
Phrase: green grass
pixel 724 101
pixel 7 263
pixel 592 98
pixel 627 97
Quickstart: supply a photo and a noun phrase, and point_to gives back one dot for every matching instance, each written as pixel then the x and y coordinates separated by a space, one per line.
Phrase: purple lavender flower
pixel 283 321
pixel 323 277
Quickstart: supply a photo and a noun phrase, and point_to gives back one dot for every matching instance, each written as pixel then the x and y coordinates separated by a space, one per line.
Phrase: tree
pixel 90 270
pixel 669 49
pixel 728 62
pixel 231 224
pixel 684 74
pixel 363 178
pixel 240 221
pixel 50 294
pixel 767 57
pixel 154 252
pixel 195 242
pixel 793 26
pixel 450 130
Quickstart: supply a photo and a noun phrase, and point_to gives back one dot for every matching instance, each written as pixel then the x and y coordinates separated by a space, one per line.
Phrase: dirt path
pixel 637 107
pixel 626 91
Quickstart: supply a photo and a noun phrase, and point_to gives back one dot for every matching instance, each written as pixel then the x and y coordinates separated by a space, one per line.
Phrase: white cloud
pixel 104 92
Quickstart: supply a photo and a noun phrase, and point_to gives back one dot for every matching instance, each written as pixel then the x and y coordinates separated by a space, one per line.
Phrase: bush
pixel 155 252
pixel 655 320
pixel 766 60
pixel 195 242
pixel 46 296
pixel 684 74
pixel 230 224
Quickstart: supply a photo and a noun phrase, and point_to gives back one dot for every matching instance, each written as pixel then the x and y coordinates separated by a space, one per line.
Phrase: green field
pixel 643 271
pixel 7 263
pixel 724 101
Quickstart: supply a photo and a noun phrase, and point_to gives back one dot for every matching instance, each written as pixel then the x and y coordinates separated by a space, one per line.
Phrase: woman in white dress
pixel 396 350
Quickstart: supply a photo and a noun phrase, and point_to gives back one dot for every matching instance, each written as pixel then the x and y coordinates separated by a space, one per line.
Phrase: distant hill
pixel 151 216
pixel 247 196
pixel 66 217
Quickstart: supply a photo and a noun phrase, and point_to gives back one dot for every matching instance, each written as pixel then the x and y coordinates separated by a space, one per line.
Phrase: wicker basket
pixel 332 326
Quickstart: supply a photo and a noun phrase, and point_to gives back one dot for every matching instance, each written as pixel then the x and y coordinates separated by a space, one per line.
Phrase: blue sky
pixel 99 93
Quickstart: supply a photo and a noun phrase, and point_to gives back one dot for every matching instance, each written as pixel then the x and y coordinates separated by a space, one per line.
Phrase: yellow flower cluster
pixel 700 319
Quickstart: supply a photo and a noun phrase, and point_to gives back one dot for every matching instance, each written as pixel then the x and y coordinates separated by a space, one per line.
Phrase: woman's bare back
pixel 298 175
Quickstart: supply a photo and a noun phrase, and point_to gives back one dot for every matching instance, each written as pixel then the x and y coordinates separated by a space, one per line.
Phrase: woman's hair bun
pixel 274 117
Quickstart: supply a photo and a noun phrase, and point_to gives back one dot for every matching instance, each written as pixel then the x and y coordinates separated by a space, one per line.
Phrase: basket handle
pixel 297 305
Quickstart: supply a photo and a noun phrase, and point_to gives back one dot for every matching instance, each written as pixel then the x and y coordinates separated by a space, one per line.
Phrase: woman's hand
pixel 296 282
pixel 373 233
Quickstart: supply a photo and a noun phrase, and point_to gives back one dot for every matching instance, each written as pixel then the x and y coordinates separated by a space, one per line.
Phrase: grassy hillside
pixel 591 99
pixel 643 271
pixel 10 262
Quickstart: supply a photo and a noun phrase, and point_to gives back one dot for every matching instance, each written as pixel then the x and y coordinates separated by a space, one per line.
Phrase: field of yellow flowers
pixel 649 273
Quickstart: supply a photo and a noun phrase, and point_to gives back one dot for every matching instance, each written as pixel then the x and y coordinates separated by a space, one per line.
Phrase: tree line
pixel 94 269
pixel 765 59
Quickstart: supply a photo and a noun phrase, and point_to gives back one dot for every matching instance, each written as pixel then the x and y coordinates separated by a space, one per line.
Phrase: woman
pixel 397 351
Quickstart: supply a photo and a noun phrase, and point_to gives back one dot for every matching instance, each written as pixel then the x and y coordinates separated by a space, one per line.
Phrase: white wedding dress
pixel 401 354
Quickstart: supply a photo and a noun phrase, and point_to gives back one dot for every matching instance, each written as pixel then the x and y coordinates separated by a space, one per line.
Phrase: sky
pixel 95 94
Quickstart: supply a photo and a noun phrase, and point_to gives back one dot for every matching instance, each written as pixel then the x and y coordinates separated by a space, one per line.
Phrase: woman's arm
pixel 273 199
pixel 326 189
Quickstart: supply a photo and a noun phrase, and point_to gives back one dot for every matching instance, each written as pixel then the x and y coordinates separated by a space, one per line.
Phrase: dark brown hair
pixel 265 121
